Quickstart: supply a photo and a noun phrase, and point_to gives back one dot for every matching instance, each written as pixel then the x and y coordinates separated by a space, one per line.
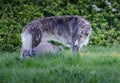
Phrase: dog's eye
pixel 86 34
pixel 80 35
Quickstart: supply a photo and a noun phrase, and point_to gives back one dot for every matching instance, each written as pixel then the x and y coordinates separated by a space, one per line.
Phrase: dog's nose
pixel 75 47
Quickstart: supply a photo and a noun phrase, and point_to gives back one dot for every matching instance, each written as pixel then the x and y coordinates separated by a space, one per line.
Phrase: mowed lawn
pixel 93 64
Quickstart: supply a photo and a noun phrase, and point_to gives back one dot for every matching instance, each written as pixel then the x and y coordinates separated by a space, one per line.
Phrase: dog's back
pixel 55 28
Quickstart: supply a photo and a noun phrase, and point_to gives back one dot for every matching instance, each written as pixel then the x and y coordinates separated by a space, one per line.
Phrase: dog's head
pixel 80 36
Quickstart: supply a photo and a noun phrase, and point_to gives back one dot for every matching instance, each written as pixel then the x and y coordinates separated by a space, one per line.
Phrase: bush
pixel 16 14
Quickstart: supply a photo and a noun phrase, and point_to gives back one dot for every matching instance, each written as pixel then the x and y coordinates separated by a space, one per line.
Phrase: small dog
pixel 42 48
pixel 45 47
pixel 71 31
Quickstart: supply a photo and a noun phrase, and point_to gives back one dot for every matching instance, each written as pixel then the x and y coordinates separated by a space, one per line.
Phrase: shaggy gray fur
pixel 71 31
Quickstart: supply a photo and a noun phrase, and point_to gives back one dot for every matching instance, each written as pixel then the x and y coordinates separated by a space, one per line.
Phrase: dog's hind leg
pixel 26 43
pixel 36 37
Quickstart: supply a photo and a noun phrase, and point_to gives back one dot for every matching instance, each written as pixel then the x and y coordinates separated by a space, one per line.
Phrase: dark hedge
pixel 15 14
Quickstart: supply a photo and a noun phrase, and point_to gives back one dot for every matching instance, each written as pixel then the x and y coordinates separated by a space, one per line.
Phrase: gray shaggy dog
pixel 71 31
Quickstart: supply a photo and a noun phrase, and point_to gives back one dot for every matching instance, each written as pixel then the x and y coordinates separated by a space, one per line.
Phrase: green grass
pixel 92 65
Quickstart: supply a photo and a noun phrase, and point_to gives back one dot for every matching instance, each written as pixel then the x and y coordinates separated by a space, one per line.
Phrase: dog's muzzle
pixel 75 46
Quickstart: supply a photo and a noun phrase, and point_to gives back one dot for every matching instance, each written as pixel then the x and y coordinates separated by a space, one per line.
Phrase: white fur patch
pixel 26 41
pixel 76 42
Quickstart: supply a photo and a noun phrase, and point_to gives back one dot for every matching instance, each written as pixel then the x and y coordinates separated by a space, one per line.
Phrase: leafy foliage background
pixel 15 14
